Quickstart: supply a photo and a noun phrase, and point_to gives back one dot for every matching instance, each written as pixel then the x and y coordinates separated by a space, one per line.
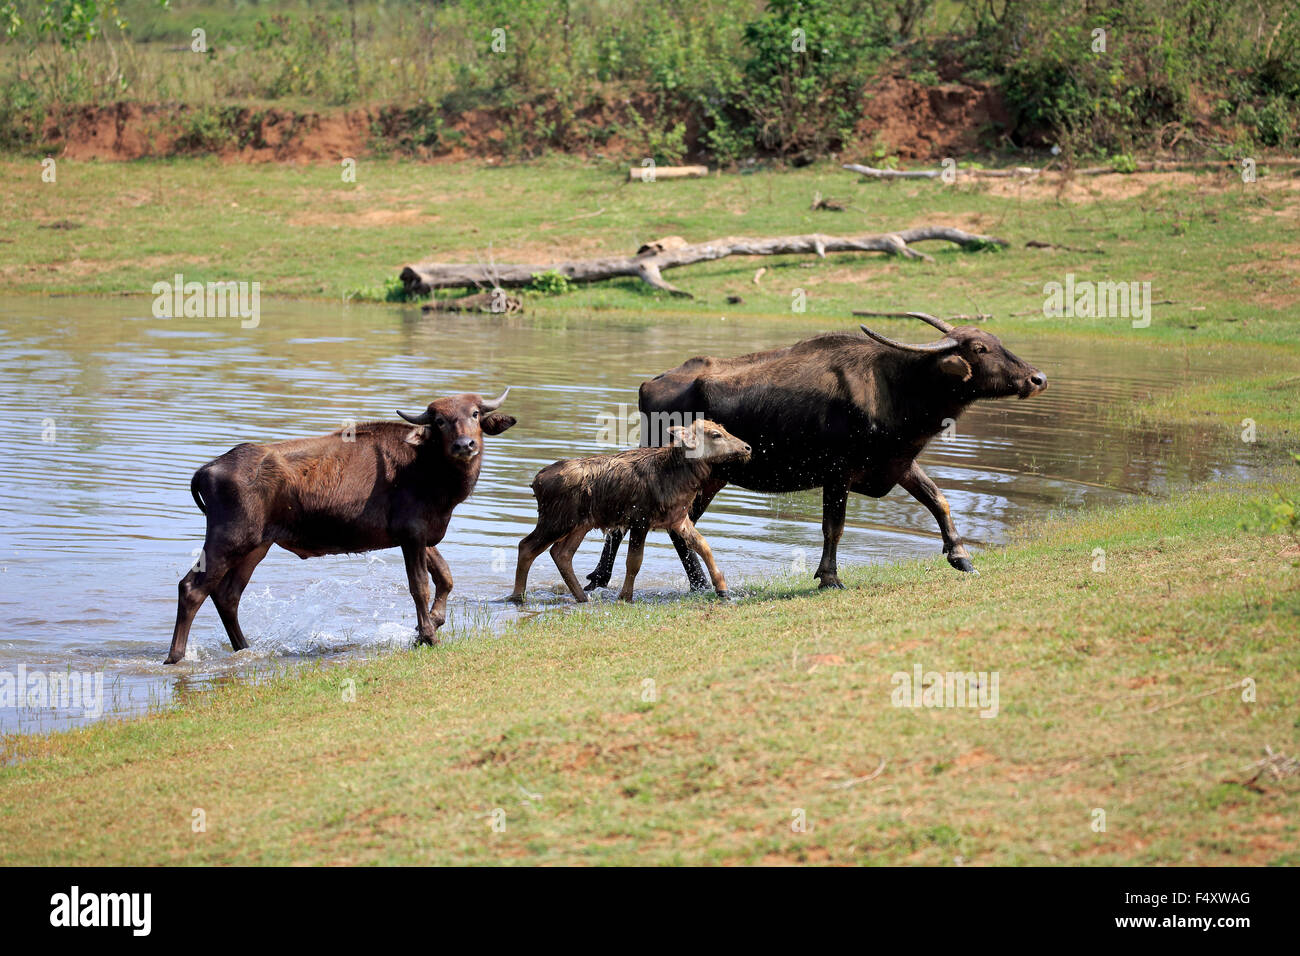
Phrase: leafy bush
pixel 807 63
pixel 550 282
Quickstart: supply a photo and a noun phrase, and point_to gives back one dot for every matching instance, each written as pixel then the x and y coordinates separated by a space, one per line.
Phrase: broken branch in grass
pixel 857 780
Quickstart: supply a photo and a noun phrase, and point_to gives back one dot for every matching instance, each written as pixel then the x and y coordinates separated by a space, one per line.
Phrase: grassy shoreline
pixel 1119 691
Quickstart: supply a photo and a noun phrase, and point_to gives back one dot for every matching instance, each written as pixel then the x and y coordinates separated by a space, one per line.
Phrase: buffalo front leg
pixel 441 574
pixel 834 500
pixel 537 541
pixel 695 541
pixel 417 578
pixel 193 590
pixel 635 551
pixel 918 484
pixel 605 566
pixel 690 563
pixel 562 553
pixel 227 594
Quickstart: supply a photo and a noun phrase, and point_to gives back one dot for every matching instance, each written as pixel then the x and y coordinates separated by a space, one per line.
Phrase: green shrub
pixel 550 282
pixel 807 61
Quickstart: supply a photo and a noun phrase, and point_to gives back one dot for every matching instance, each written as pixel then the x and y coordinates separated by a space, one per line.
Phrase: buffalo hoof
pixel 515 598
pixel 173 659
pixel 426 640
pixel 830 582
pixel 724 595
pixel 963 564
pixel 594 583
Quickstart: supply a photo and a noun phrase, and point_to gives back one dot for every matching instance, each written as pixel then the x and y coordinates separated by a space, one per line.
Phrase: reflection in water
pixel 109 411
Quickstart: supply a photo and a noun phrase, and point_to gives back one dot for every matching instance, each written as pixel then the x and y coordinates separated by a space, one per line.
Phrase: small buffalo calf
pixel 639 490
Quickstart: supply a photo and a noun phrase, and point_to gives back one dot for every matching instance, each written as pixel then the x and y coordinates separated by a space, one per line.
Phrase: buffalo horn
pixel 420 419
pixel 492 404
pixel 938 323
pixel 943 345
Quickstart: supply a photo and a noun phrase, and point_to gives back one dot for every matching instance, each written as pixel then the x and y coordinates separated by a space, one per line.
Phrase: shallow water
pixel 108 412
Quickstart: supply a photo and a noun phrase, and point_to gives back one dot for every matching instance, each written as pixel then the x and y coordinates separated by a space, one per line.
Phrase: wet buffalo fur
pixel 840 412
pixel 378 485
pixel 641 489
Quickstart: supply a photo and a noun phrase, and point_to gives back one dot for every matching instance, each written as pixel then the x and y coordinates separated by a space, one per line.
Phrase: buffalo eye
pixel 440 422
pixel 979 348
pixel 715 434
pixel 475 413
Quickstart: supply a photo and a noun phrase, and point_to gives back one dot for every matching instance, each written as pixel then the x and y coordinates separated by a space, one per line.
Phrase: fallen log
pixel 1144 166
pixel 422 278
pixel 650 174
pixel 873 173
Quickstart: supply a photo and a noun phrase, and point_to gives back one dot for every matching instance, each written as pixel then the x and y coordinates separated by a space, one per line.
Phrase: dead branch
pixel 857 780
pixel 1278 765
pixel 1027 172
pixel 497 302
pixel 827 204
pixel 1038 244
pixel 651 174
pixel 870 172
pixel 421 278
pixel 1236 685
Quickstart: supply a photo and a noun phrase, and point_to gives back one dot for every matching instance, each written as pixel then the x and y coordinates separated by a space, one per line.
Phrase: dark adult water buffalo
pixel 380 485
pixel 840 412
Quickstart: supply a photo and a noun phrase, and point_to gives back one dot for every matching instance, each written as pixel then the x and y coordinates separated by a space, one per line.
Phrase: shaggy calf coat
pixel 637 490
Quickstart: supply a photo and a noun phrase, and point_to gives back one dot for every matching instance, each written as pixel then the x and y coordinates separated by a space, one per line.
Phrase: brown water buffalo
pixel 641 489
pixel 840 412
pixel 380 485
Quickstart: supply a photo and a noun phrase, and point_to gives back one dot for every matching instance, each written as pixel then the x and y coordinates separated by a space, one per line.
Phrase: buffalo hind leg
pixel 562 553
pixel 605 566
pixel 918 484
pixel 226 595
pixel 690 563
pixel 834 500
pixel 695 541
pixel 193 590
pixel 417 578
pixel 635 551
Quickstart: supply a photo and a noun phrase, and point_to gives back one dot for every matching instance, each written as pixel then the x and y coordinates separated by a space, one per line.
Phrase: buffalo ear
pixel 417 436
pixel 496 423
pixel 956 366
pixel 682 437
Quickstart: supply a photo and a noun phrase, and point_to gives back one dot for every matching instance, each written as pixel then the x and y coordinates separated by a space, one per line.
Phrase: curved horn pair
pixel 486 405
